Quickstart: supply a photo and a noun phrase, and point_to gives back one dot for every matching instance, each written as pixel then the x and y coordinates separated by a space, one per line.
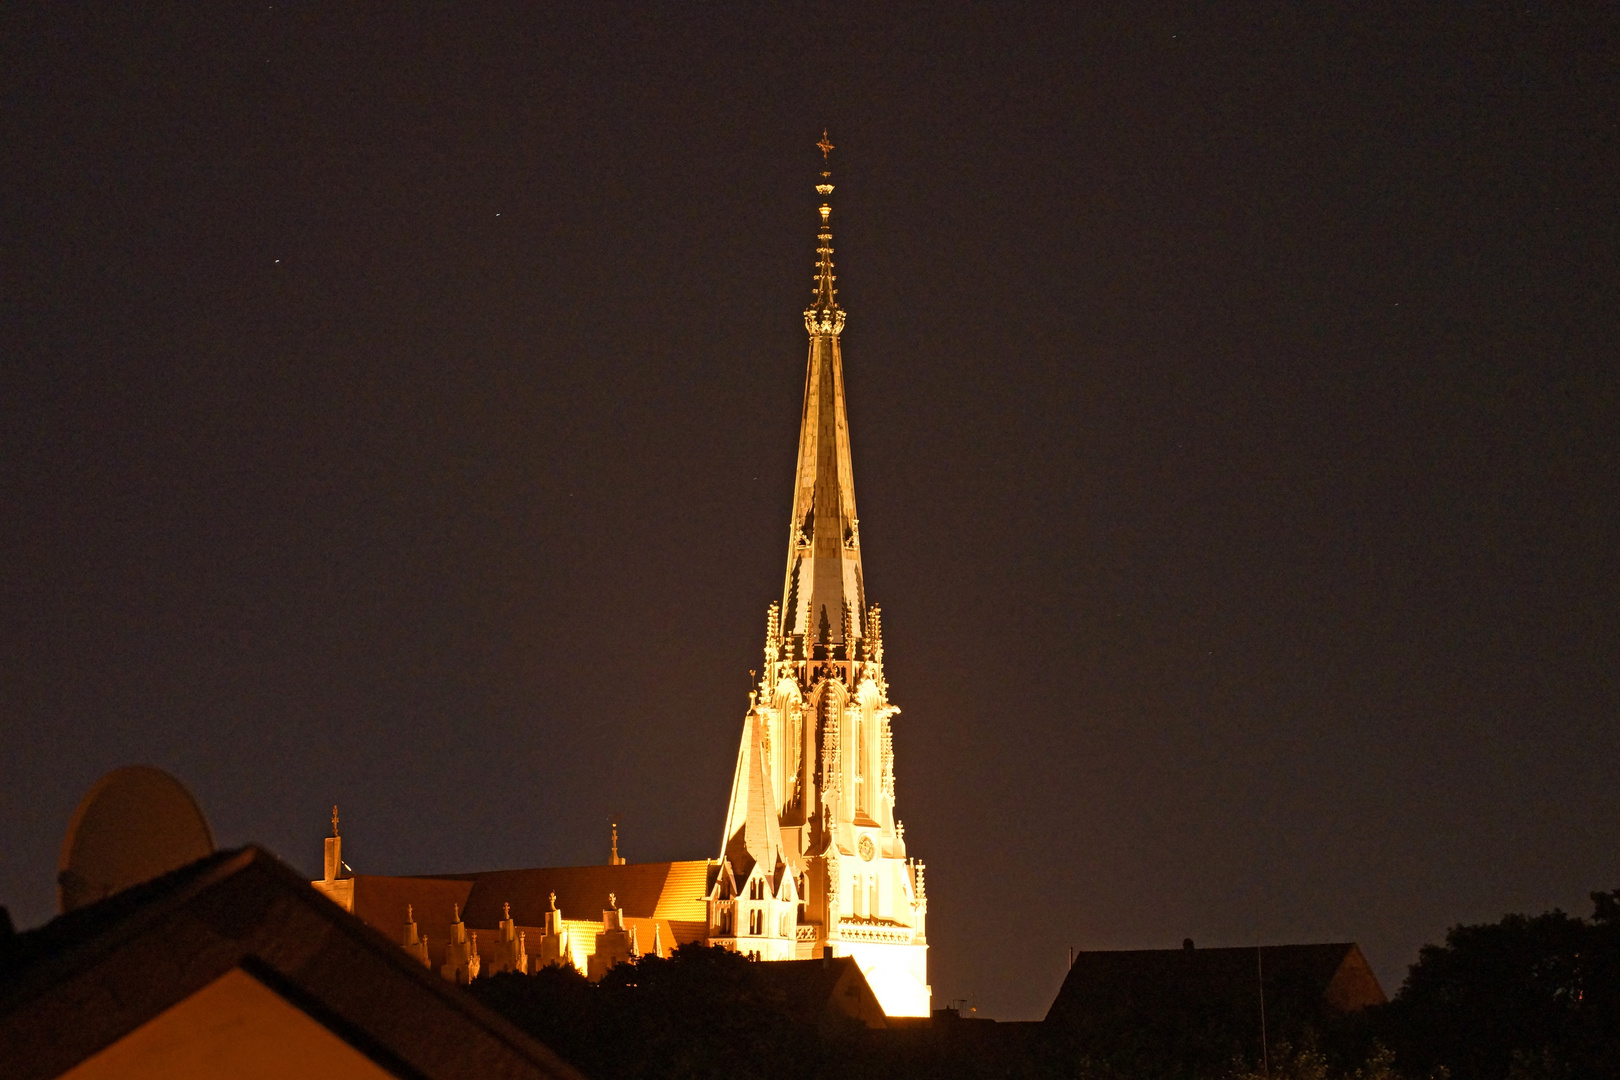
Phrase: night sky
pixel 398 410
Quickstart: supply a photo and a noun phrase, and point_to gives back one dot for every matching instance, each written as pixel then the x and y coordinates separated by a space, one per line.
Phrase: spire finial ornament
pixel 824 316
pixel 334 820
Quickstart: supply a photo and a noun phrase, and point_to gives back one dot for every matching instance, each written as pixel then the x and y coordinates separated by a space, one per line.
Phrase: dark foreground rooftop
pixel 240 938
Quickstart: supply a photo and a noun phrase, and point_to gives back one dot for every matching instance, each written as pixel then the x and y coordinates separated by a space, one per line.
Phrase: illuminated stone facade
pixel 832 877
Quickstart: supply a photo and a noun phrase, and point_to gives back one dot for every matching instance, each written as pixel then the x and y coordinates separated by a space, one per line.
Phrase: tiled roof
pixel 684 892
pixel 667 890
pixel 381 902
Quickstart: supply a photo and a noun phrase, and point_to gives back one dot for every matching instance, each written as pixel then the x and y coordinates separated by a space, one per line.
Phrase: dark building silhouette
pixel 1147 1008
pixel 234 963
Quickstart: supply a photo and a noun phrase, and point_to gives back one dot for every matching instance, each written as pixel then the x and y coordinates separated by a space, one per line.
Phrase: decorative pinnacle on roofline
pixel 824 316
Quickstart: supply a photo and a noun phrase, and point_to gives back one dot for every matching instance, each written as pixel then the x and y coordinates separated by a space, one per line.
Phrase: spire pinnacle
pixel 824 316
pixel 614 858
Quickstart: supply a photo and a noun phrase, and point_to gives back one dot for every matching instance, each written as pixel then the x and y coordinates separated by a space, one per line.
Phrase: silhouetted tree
pixel 1528 998
pixel 699 1013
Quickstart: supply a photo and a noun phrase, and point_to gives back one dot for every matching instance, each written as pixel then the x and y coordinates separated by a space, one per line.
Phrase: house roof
pixel 1112 992
pixel 822 988
pixel 91 977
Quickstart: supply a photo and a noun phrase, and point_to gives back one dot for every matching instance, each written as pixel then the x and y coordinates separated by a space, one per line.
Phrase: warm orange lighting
pixel 235 1026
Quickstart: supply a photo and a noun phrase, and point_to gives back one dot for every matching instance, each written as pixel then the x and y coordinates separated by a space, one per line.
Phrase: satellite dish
pixel 134 824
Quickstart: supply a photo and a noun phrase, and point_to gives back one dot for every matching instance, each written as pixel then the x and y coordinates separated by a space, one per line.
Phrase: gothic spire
pixel 823 599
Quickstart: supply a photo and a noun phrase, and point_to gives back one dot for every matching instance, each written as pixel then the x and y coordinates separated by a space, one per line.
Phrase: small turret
pixel 334 851
pixel 616 944
pixel 412 942
pixel 337 880
pixel 553 945
pixel 510 947
pixel 461 960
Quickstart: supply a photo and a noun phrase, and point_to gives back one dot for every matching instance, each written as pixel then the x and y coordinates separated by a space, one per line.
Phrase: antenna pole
pixel 1260 971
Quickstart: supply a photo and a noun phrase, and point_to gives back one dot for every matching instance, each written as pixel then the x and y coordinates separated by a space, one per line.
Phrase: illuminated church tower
pixel 813 862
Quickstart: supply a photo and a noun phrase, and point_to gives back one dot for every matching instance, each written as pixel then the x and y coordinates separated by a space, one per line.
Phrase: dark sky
pixel 398 409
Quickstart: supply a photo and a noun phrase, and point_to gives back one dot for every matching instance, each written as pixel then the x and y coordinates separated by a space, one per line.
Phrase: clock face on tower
pixel 866 849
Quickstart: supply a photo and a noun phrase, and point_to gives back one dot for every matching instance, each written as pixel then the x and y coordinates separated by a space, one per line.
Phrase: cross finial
pixel 508 908
pixel 334 820
pixel 613 901
pixel 554 901
pixel 824 146
pixel 409 915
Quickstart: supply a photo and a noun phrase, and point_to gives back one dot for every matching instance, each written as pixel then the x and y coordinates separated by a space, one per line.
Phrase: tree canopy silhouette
pixel 1528 997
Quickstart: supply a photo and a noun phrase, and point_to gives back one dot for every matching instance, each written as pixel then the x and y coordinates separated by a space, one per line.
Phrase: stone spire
pixel 823 599
pixel 833 877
